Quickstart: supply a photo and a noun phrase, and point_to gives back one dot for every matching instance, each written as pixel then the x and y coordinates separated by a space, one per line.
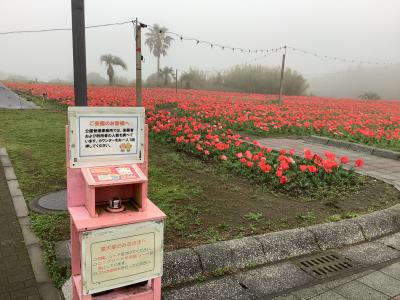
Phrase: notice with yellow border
pixel 122 255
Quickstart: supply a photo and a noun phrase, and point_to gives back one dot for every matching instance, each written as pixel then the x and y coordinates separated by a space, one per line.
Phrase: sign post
pixel 79 52
pixel 138 39
pixel 117 233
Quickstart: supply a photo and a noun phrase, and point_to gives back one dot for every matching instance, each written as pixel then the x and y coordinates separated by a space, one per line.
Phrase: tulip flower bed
pixel 364 121
pixel 281 170
pixel 217 187
pixel 204 124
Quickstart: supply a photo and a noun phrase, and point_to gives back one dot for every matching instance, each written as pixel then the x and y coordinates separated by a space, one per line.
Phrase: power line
pixel 243 50
pixel 211 44
pixel 220 70
pixel 338 58
pixel 64 29
pixel 182 38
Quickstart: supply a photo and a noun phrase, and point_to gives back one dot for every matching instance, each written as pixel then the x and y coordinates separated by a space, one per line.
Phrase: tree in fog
pixel 166 73
pixel 158 42
pixel 110 61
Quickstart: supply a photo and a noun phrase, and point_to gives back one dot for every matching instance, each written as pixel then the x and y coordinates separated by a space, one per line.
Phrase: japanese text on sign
pixel 103 136
pixel 108 136
pixel 123 255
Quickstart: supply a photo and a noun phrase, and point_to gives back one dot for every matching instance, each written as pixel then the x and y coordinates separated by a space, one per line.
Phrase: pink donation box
pixel 116 231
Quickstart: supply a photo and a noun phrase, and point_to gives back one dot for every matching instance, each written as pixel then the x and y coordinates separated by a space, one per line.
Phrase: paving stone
pixel 35 254
pixel 382 283
pixel 244 295
pixel 48 292
pixel 370 253
pixel 273 279
pixel 386 153
pixel 329 295
pixel 337 282
pixel 319 139
pixel 63 253
pixel 286 297
pixel 24 293
pixel 14 188
pixel 5 161
pixel 392 270
pixel 10 174
pixel 337 234
pixel 359 291
pixel 29 237
pixel 3 152
pixel 396 207
pixel 181 266
pixel 337 143
pixel 15 267
pixel 391 240
pixel 375 174
pixel 67 289
pixel 288 243
pixel 311 292
pixel 392 177
pixel 20 206
pixel 379 223
pixel 220 289
pixel 360 148
pixel 233 254
pixel 5 296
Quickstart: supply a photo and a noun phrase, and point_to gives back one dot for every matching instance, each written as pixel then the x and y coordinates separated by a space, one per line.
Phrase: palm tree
pixel 110 61
pixel 166 72
pixel 158 42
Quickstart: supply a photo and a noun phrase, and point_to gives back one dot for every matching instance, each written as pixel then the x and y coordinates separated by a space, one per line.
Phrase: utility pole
pixel 176 81
pixel 138 38
pixel 79 52
pixel 282 73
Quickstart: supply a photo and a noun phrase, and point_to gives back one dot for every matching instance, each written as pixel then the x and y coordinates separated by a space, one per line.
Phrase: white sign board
pixel 122 255
pixel 100 136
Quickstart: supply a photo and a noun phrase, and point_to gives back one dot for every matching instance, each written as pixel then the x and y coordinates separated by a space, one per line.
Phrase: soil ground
pixel 219 206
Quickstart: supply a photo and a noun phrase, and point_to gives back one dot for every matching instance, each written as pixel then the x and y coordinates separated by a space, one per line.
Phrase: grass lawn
pixel 203 202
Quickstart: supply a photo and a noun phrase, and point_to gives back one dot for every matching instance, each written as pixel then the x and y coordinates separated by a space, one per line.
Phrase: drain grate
pixel 325 265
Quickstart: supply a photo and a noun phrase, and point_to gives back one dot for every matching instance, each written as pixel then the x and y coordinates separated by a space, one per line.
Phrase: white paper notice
pixel 102 135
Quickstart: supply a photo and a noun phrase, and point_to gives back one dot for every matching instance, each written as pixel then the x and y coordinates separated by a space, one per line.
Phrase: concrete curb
pixel 45 286
pixel 354 146
pixel 196 263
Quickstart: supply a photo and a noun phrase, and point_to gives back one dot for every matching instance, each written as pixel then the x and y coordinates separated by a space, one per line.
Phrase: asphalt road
pixel 10 100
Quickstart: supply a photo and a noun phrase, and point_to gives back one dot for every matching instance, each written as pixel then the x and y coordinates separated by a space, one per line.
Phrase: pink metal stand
pixel 85 198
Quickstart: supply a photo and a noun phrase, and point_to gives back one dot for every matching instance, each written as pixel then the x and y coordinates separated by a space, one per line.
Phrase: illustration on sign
pixel 113 173
pixel 122 255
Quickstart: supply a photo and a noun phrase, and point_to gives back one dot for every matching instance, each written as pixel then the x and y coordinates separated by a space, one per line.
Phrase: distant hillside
pixel 385 81
pixel 13 77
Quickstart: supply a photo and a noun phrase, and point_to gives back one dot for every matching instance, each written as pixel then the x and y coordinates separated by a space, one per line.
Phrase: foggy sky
pixel 364 30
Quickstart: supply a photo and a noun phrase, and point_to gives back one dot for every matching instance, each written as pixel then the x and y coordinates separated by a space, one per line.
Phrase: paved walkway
pixel 376 276
pixel 378 167
pixel 380 282
pixel 10 100
pixel 17 280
